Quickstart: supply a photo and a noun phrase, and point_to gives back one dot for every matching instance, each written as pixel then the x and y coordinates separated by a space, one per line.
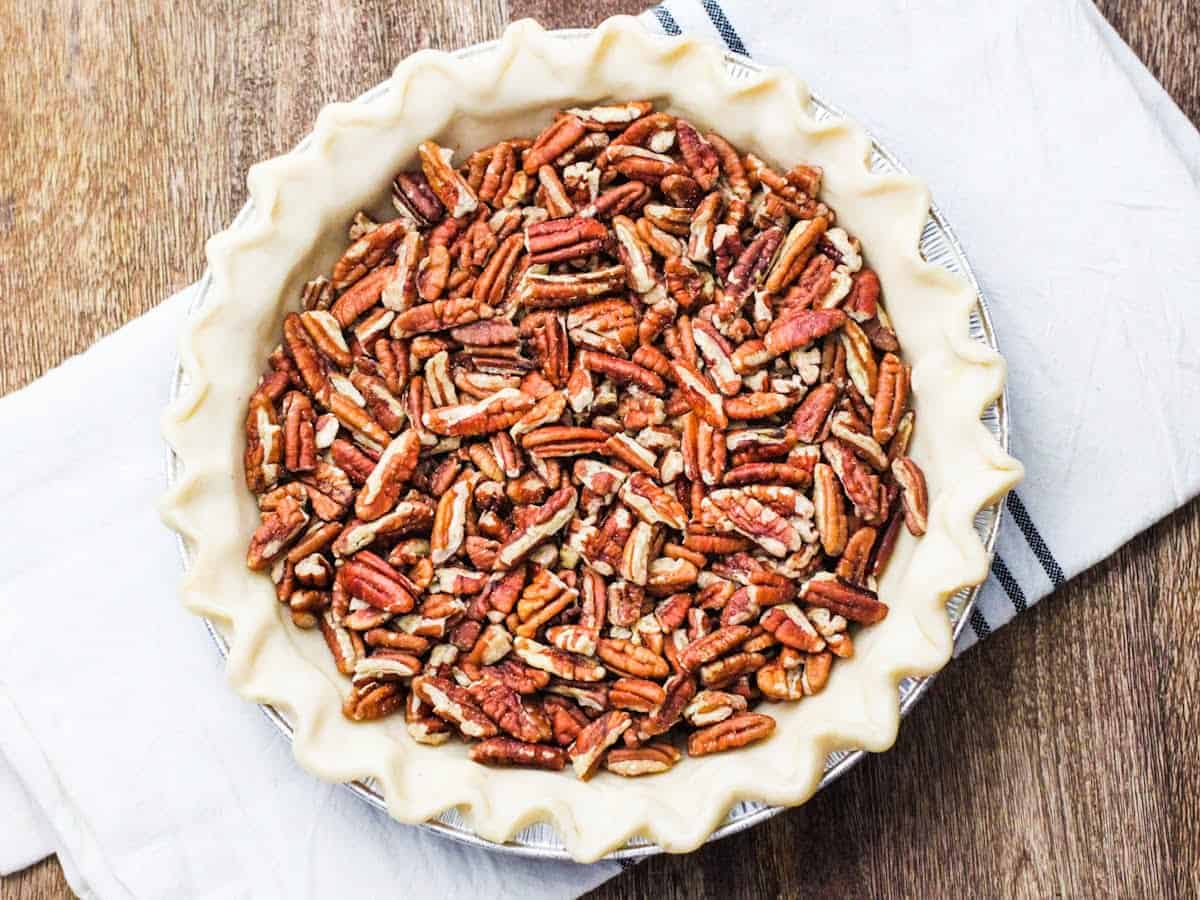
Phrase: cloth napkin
pixel 1072 181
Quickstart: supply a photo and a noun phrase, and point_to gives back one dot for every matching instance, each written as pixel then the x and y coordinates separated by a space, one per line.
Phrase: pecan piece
pixel 650 759
pixel 718 358
pixel 449 187
pixel 861 485
pixel 552 143
pixel 636 694
pixel 857 556
pixel 450 521
pixel 809 419
pixel 891 398
pixel 622 371
pixel 506 751
pixel 653 504
pixel 749 269
pixel 728 669
pixel 712 646
pixel 635 557
pixel 278 530
pixel 634 254
pixel 862 303
pixel 710 707
pixel 755 405
pixel 700 393
pixel 794 253
pixel 545 521
pixel 778 682
pixel 844 599
pixel 496 412
pixel 631 453
pixel 736 731
pixel 503 705
pixel 802 328
pixel 788 624
pixel 390 474
pixel 860 360
pixel 387 665
pixel 680 689
pixel 366 253
pixel 587 751
pixel 698 154
pixel 544 598
pixel 609 326
pixel 372 580
pixel 630 659
pixel 454 704
pixel 264 444
pixel 559 663
pixel 309 364
pixel 326 333
pixel 555 441
pixel 373 701
pixel 413 199
pixel 408 516
pixel 566 719
pixel 439 315
pixel 560 240
pixel 538 291
pixel 914 493
pixel 830 510
pixel 738 511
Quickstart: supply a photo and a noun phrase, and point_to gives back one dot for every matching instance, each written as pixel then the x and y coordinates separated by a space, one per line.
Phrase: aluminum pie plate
pixel 939 246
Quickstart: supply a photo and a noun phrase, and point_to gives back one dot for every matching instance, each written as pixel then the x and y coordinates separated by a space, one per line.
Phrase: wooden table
pixel 1058 758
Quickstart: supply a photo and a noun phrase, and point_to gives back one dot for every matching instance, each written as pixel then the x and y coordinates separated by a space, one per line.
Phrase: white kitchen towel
pixel 1073 181
pixel 155 779
pixel 1070 177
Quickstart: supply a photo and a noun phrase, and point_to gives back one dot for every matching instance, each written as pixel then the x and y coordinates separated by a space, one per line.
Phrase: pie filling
pixel 597 446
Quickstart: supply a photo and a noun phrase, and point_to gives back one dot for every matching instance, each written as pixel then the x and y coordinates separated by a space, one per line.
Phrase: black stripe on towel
pixel 724 27
pixel 979 624
pixel 1033 536
pixel 1005 577
pixel 666 20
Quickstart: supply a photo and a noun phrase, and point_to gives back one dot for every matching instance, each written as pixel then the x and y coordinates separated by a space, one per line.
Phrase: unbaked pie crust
pixel 302 202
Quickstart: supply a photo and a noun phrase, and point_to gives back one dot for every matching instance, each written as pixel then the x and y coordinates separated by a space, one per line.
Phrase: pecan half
pixel 449 187
pixel 453 703
pixel 278 530
pixel 802 328
pixel 538 291
pixel 630 659
pixel 387 479
pixel 736 731
pixel 587 751
pixel 891 398
pixel 844 599
pixel 738 511
pixel 914 493
pixel 633 762
pixel 560 240
pixel 496 412
pixel 506 751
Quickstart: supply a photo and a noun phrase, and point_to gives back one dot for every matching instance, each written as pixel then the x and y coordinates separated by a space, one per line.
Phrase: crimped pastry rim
pixel 542 841
pixel 267 662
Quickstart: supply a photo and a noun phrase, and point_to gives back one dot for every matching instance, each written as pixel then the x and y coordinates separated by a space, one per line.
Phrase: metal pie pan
pixel 940 246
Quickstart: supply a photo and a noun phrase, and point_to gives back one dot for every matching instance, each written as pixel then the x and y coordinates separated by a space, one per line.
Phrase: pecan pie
pixel 589 444
pixel 601 440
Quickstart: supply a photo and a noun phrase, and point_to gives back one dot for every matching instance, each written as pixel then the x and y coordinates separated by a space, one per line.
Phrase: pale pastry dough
pixel 302 202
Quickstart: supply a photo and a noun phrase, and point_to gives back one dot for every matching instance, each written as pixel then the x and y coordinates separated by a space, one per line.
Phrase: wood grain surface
pixel 1059 758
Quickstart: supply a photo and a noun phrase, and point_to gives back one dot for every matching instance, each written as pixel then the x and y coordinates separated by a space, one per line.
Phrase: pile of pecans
pixel 602 440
